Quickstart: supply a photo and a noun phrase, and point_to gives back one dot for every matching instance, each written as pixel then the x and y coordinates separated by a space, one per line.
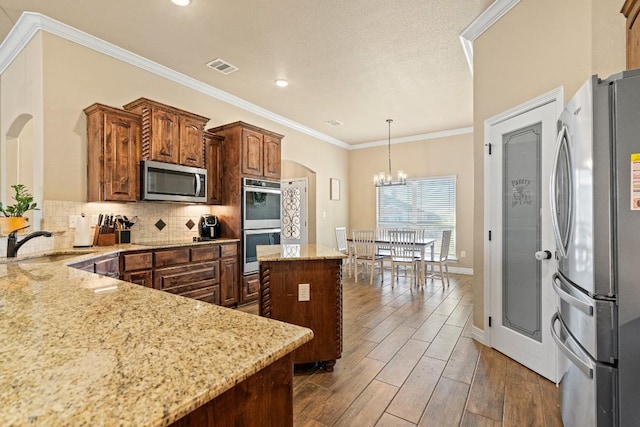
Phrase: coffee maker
pixel 209 227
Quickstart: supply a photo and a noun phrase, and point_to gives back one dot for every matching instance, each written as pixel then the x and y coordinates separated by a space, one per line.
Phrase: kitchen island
pixel 77 348
pixel 302 284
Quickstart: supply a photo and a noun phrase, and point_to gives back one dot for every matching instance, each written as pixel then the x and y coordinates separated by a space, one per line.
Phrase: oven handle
pixel 262 190
pixel 581 305
pixel 585 367
pixel 263 230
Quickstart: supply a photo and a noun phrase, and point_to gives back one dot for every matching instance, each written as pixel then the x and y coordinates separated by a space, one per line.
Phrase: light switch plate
pixel 72 221
pixel 304 292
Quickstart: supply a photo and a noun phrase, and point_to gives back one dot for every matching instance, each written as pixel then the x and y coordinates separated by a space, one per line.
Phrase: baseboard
pixel 478 334
pixel 461 270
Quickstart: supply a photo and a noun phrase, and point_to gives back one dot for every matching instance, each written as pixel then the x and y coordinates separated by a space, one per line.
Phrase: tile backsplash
pixel 55 213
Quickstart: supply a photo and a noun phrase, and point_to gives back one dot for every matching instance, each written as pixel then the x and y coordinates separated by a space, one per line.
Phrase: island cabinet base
pixel 280 299
pixel 263 399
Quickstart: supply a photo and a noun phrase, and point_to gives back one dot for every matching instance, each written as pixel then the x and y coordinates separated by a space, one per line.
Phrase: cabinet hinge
pixel 489 321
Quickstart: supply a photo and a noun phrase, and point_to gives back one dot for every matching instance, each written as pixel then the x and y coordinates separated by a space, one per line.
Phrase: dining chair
pixel 403 253
pixel 364 253
pixel 343 246
pixel 382 234
pixel 441 260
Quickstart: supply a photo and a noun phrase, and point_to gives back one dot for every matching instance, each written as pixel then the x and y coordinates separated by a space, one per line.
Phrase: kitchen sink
pixel 47 258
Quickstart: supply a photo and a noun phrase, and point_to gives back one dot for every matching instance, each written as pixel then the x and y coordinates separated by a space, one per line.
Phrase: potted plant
pixel 13 214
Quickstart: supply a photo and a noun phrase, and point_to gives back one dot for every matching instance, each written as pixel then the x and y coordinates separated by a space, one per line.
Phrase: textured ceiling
pixel 356 61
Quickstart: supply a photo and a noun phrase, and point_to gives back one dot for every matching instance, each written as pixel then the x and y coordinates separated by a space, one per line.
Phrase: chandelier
pixel 383 179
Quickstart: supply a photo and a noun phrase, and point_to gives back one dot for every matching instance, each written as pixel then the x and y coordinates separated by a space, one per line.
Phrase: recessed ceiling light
pixel 282 83
pixel 181 2
pixel 334 122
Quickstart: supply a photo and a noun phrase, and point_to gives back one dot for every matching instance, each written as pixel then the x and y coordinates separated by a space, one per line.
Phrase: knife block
pixel 123 236
pixel 107 239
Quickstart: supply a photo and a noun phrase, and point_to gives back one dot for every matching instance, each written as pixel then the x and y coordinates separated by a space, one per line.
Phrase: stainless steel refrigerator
pixel 595 191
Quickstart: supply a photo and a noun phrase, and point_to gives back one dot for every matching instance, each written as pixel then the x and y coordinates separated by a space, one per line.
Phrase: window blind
pixel 425 203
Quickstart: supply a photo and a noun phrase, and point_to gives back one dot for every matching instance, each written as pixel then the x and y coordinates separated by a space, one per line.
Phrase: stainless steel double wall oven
pixel 261 223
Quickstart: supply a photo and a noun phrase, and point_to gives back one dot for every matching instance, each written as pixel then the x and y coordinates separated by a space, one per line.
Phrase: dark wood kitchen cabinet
pixel 631 10
pixel 260 154
pixel 229 275
pixel 137 268
pixel 250 288
pixel 113 143
pixel 169 134
pixel 192 272
pixel 271 163
pixel 252 152
pixel 321 312
pixel 213 158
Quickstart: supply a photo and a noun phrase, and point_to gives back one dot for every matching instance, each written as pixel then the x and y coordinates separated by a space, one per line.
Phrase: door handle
pixel 198 184
pixel 562 239
pixel 581 305
pixel 581 364
pixel 542 255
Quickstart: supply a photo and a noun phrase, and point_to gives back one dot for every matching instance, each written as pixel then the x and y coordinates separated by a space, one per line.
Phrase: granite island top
pixel 296 252
pixel 81 349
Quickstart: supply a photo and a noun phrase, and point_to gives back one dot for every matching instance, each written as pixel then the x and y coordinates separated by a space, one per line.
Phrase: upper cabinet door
pixel 113 144
pixel 271 157
pixel 252 152
pixel 165 134
pixel 121 158
pixel 213 145
pixel 169 134
pixel 191 142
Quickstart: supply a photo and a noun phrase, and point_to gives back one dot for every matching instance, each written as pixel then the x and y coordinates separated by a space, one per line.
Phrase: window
pixel 427 203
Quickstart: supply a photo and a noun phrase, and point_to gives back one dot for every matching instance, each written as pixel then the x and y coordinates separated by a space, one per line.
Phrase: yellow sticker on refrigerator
pixel 635 182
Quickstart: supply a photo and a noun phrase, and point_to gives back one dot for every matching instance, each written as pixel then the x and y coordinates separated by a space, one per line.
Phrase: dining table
pixel 383 244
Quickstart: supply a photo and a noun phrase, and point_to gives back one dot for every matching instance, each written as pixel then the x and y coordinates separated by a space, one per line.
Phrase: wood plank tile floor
pixel 409 360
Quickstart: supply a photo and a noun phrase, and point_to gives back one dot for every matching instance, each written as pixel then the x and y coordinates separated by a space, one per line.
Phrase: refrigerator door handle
pixel 561 241
pixel 585 366
pixel 582 305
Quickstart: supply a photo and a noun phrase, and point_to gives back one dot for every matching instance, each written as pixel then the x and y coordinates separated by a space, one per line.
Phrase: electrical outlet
pixel 304 292
pixel 72 220
pixel 463 254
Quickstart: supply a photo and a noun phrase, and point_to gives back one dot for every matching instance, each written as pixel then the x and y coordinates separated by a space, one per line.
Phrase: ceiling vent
pixel 334 123
pixel 222 66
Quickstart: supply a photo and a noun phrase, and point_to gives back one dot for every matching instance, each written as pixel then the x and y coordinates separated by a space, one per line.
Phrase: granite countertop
pixel 81 349
pixel 296 252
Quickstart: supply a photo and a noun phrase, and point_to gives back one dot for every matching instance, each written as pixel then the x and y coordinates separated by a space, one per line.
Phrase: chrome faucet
pixel 12 242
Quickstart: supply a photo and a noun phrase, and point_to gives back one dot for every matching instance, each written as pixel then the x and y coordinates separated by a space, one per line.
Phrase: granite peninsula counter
pixel 81 349
pixel 302 284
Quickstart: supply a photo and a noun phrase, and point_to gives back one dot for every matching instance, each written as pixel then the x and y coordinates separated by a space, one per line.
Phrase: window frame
pixel 450 223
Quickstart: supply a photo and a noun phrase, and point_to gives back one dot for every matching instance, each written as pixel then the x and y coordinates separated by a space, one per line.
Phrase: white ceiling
pixel 356 61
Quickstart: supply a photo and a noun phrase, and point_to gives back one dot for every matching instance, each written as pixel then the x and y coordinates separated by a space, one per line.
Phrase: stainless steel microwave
pixel 173 183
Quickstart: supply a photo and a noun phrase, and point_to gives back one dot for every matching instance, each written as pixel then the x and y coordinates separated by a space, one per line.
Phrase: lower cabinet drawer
pixel 139 261
pixel 210 294
pixel 167 257
pixel 142 278
pixel 173 278
pixel 229 250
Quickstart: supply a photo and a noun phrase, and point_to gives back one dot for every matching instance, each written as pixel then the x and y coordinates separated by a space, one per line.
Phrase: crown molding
pixel 413 138
pixel 481 24
pixel 30 23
